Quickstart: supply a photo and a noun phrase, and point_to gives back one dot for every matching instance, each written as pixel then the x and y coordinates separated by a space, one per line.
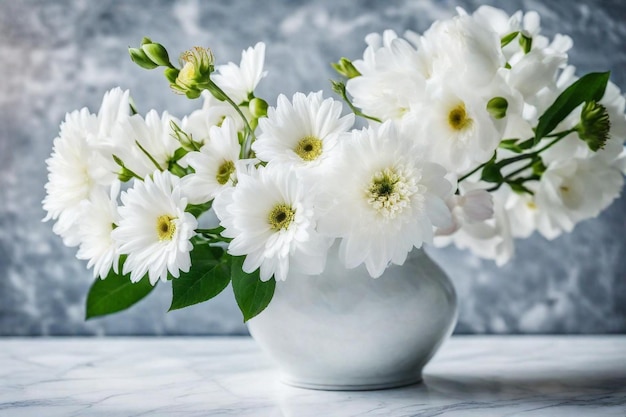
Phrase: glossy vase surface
pixel 343 330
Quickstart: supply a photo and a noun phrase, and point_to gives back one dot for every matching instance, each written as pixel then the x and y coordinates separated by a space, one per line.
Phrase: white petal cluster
pixel 286 182
pixel 154 230
pixel 272 220
pixel 385 198
pixel 301 133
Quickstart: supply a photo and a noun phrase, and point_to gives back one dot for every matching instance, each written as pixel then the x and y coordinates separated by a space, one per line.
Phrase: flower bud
pixel 196 68
pixel 157 54
pixel 150 55
pixel 594 125
pixel 258 107
pixel 346 68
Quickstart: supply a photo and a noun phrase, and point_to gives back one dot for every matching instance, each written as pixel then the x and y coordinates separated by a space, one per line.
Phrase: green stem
pixel 250 137
pixel 156 164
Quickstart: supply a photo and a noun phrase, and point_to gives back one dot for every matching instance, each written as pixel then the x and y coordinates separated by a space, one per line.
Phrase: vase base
pixel 397 383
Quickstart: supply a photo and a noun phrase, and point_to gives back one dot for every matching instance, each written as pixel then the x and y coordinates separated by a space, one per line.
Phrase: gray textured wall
pixel 56 56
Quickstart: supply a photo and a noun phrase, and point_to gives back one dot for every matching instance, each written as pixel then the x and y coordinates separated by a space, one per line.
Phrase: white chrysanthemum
pixel 238 81
pixel 457 130
pixel 271 218
pixel 70 176
pixel 215 165
pixel 301 133
pixel 98 220
pixel 385 199
pixel 153 134
pixel 154 230
pixel 463 45
pixel 77 164
pixel 392 77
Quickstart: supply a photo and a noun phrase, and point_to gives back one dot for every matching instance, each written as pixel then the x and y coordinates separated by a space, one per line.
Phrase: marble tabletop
pixel 229 376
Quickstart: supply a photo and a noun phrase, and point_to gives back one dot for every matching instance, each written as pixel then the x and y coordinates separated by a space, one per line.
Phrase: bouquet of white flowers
pixel 477 132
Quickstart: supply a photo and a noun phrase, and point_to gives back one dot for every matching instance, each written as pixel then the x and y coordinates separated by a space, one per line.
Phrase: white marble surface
pixel 470 376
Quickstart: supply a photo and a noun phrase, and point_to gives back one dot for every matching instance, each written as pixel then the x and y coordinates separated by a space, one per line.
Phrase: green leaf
pixel 252 294
pixel 497 107
pixel 527 144
pixel 511 145
pixel 520 188
pixel 588 88
pixel 508 38
pixel 208 276
pixel 198 209
pixel 115 293
pixel 526 43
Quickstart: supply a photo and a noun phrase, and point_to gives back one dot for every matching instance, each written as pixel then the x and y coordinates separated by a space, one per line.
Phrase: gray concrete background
pixel 56 56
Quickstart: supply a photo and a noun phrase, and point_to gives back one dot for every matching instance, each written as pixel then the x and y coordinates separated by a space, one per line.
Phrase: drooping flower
pixel 154 230
pixel 303 132
pixel 383 198
pixel 272 220
pixel 214 165
pixel 98 220
pixel 238 81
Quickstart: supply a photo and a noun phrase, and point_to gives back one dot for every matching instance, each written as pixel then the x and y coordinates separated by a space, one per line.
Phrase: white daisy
pixel 238 81
pixel 100 217
pixel 271 218
pixel 386 199
pixel 301 133
pixel 154 230
pixel 214 165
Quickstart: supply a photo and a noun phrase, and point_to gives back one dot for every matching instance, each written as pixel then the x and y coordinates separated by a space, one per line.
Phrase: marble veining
pixel 57 56
pixel 228 376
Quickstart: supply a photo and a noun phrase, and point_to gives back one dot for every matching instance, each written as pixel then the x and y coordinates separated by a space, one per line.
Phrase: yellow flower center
pixel 389 192
pixel 458 118
pixel 309 148
pixel 187 74
pixel 166 227
pixel 281 216
pixel 224 172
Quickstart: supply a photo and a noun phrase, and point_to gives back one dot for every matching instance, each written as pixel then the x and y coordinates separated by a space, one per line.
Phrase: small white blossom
pixel 154 230
pixel 303 132
pixel 272 219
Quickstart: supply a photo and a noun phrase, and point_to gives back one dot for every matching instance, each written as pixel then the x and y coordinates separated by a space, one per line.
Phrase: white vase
pixel 344 330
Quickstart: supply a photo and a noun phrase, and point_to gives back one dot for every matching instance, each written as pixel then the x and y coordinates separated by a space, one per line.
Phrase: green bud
pixel 258 107
pixel 339 87
pixel 538 167
pixel 346 68
pixel 594 125
pixel 157 54
pixel 497 107
pixel 140 58
pixel 184 138
pixel 194 75
pixel 145 41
